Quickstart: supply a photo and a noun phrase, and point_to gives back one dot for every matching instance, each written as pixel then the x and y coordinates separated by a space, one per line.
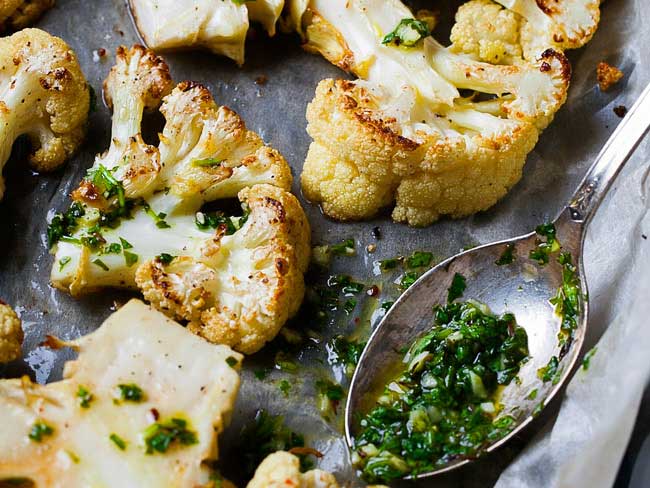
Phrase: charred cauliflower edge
pixel 137 221
pixel 395 138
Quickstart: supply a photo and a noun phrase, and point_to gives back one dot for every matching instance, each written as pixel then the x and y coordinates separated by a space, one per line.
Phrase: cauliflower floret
pixel 11 334
pixel 282 470
pixel 137 220
pixel 487 31
pixel 142 405
pixel 394 137
pixel 218 26
pixel 44 95
pixel 18 14
pixel 556 24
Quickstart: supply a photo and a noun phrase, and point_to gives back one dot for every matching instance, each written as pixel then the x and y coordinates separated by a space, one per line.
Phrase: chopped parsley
pixel 285 363
pixel 587 359
pixel 84 396
pixel 98 262
pixel 215 220
pixel 207 162
pixel 118 441
pixel 547 243
pixel 349 305
pixel 231 361
pixel 407 33
pixel 158 218
pixel 568 299
pixel 130 258
pixel 261 374
pixel 39 430
pixel 533 394
pixel 345 248
pixel 125 244
pixel 131 393
pixel 110 187
pixel 507 256
pixel 551 371
pixel 345 352
pixel 158 437
pixel 64 261
pixel 457 288
pixel 345 284
pixel 285 387
pixel 165 258
pixel 407 280
pixel 388 264
pixel 443 405
pixel 64 224
pixel 329 396
pixel 419 259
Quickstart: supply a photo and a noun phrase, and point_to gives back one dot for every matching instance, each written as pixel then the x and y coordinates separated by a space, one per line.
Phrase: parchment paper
pixel 583 447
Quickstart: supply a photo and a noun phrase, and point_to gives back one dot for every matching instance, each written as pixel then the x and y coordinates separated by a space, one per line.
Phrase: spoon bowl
pixel 522 287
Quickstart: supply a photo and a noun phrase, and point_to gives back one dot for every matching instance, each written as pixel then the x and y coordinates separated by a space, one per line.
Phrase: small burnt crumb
pixel 607 75
pixel 620 110
pixel 373 291
pixel 261 80
pixel 376 233
pixel 644 236
pixel 101 52
pixel 544 67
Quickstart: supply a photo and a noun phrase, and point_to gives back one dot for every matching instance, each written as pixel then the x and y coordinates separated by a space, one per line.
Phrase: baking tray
pixel 276 110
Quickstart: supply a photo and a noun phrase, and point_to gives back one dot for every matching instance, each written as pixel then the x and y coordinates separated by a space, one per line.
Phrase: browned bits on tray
pixel 607 75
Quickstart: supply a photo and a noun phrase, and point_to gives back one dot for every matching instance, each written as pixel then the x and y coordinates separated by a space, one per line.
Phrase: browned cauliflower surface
pixel 44 96
pixel 11 334
pixel 429 130
pixel 139 219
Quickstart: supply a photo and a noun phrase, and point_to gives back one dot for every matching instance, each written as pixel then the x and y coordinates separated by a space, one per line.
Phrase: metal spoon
pixel 522 288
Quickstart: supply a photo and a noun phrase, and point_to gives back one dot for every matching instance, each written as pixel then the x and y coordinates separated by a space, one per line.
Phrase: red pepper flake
pixel 373 291
pixel 154 414
pixel 544 67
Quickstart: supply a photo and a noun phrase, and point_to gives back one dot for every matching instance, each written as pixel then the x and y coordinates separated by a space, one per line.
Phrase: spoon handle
pixel 611 160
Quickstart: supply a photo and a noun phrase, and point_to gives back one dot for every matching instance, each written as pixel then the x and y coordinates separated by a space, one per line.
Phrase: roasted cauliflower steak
pixel 142 405
pixel 138 218
pixel 402 134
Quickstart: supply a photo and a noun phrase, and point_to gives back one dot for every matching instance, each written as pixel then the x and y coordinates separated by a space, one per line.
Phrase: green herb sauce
pixel 444 405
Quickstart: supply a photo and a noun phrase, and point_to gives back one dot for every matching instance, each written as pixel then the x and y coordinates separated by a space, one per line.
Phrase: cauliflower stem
pixel 137 221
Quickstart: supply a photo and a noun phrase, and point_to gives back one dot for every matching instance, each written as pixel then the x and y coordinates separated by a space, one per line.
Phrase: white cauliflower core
pixel 137 220
pixel 84 430
pixel 403 134
pixel 44 95
pixel 11 334
pixel 218 26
